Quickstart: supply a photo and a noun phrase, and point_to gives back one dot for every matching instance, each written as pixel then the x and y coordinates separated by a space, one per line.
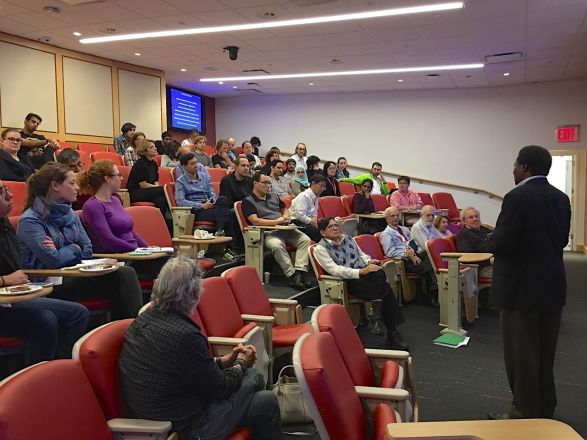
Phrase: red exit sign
pixel 567 133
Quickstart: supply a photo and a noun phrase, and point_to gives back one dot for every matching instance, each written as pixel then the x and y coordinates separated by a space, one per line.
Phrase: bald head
pixel 392 216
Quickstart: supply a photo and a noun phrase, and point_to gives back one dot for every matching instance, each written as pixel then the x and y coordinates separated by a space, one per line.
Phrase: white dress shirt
pixel 300 161
pixel 422 232
pixel 304 206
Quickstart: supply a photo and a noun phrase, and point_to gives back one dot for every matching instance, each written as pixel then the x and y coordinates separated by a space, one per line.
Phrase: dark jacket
pixel 15 170
pixel 531 231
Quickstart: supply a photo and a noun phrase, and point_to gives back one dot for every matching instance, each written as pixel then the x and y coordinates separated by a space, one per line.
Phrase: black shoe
pixel 310 282
pixel 376 326
pixel 296 282
pixel 395 341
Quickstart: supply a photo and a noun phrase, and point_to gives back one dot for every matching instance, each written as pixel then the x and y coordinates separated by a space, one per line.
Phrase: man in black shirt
pixel 36 147
pixel 50 326
pixel 235 187
pixel 167 373
pixel 473 238
pixel 164 143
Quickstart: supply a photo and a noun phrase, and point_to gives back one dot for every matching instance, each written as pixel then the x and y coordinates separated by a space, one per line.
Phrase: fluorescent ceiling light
pixel 347 73
pixel 281 23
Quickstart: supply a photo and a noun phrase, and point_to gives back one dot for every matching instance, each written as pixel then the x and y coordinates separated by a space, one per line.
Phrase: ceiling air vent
pixel 249 91
pixel 507 57
pixel 82 2
pixel 303 3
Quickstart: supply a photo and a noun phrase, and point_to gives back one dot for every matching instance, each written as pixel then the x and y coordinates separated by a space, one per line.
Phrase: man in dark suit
pixel 529 285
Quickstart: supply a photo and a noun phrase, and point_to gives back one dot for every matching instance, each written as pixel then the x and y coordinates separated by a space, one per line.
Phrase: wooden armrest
pixel 387 354
pixel 382 393
pixel 181 208
pixel 220 340
pixel 330 277
pixel 465 269
pixel 139 425
pixel 258 318
pixel 283 302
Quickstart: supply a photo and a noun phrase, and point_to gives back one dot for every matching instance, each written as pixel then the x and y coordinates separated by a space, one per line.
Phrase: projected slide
pixel 185 110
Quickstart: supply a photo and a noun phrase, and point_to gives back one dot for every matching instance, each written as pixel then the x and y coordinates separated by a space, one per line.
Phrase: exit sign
pixel 567 133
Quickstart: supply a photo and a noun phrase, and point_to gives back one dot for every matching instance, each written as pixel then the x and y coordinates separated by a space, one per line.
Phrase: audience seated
pixel 248 150
pixel 49 326
pixel 194 189
pixel 304 208
pixel 403 198
pixel 341 171
pixel 167 373
pixel 263 209
pixel 200 145
pixel 191 140
pixel 124 140
pixel 73 161
pixel 221 159
pixel 279 184
pixel 143 185
pixel 312 166
pixel 256 143
pixel 290 170
pixel 109 226
pixel 272 154
pixel 375 175
pixel 397 242
pixel 441 223
pixel 299 182
pixel 51 236
pixel 163 144
pixel 363 204
pixel 170 158
pixel 300 155
pixel 231 151
pixel 130 155
pixel 36 147
pixel 14 165
pixel 424 230
pixel 329 172
pixel 340 256
pixel 473 238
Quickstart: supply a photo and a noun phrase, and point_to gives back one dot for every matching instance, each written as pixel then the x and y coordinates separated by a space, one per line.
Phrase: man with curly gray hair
pixel 167 373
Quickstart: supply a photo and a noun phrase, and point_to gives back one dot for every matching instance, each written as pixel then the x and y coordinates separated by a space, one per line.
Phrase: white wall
pixel 464 136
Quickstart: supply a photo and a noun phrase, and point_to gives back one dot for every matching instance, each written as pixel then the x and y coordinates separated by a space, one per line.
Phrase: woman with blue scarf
pixel 299 182
pixel 51 236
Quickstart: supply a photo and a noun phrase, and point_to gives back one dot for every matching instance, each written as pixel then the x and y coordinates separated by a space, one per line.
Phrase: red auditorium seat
pixel 157 160
pixel 444 200
pixel 19 192
pixel 347 202
pixel 346 188
pixel 331 206
pixel 426 199
pixel 179 213
pixel 216 174
pixel 380 202
pixel 108 155
pixel 91 148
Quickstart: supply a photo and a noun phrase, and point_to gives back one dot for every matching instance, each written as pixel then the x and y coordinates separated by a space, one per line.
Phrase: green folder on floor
pixel 452 341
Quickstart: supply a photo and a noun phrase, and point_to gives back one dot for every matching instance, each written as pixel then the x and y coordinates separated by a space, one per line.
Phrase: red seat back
pixel 218 309
pixel 426 199
pixel 98 354
pixel 169 189
pixel 390 186
pixel 334 319
pixel 91 148
pixel 370 245
pixel 19 192
pixel 248 291
pixel 150 224
pixel 216 186
pixel 380 202
pixel 243 222
pixel 51 401
pixel 332 387
pixel 346 188
pixel 347 202
pixel 109 155
pixel 444 200
pixel 85 158
pixel 317 268
pixel 124 171
pixel 330 206
pixel 216 174
pixel 165 176
pixel 438 245
pixel 157 160
pixel 238 150
pixel 209 150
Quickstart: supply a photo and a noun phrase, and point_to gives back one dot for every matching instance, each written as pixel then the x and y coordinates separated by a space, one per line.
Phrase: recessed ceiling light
pixel 346 73
pixel 137 54
pixel 400 80
pixel 310 84
pixel 77 34
pixel 234 87
pixel 506 74
pixel 220 82
pixel 280 23
pixel 183 70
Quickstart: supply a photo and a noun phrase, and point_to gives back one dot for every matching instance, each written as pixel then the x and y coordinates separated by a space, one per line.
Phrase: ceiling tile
pixel 197 7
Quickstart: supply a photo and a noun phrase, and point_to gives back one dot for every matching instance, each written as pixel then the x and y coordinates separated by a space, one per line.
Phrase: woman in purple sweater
pixel 108 224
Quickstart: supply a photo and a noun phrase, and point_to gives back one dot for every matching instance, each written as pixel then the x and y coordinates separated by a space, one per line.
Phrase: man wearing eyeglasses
pixel 264 209
pixel 37 147
pixel 50 326
pixel 340 256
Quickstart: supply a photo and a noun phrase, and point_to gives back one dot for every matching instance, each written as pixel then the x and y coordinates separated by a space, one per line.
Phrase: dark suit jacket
pixel 531 231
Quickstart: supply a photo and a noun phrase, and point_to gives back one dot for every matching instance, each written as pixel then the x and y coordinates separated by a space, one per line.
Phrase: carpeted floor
pixel 467 383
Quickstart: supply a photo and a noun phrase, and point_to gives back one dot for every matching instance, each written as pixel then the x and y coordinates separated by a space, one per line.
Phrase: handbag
pixel 291 401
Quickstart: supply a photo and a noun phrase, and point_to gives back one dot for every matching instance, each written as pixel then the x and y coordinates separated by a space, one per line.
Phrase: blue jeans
pixel 50 327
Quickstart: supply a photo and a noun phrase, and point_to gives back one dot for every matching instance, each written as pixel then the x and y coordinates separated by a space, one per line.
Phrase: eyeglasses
pixel 332 227
pixel 265 182
pixel 13 140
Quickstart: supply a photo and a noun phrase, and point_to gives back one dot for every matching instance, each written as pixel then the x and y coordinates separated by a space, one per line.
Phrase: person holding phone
pixel 194 189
